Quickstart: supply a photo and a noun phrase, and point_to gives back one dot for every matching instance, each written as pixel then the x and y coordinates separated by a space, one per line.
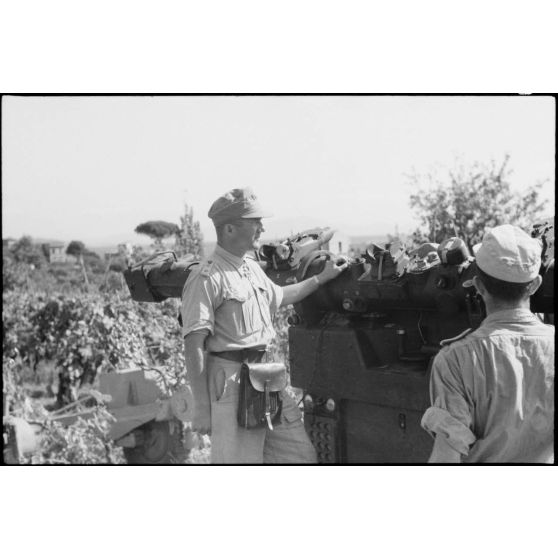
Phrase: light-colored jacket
pixel 492 392
pixel 233 299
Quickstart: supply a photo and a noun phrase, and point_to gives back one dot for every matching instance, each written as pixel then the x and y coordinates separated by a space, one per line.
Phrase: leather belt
pixel 242 355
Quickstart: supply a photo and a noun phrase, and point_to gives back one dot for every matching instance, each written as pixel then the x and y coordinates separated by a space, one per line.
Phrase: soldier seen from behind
pixel 492 390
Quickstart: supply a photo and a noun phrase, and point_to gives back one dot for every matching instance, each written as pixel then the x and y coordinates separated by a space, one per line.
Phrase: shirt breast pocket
pixel 252 313
pixel 263 303
pixel 234 310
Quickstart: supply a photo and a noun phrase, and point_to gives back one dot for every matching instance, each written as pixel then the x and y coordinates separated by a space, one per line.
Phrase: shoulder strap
pixel 463 334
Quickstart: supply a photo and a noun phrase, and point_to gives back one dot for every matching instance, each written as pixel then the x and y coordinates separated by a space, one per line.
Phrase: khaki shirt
pixel 492 392
pixel 234 299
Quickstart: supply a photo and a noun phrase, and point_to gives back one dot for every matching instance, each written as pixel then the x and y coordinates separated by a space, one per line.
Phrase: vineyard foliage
pixel 92 333
pixel 53 322
pixel 89 333
pixel 84 442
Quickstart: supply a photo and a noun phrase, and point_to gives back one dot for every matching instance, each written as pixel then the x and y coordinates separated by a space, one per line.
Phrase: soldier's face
pixel 247 233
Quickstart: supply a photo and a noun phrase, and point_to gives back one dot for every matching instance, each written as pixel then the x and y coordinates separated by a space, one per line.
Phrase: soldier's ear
pixel 535 284
pixel 479 285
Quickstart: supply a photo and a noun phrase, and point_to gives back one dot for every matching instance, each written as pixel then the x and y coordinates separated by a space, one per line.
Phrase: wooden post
pixel 84 272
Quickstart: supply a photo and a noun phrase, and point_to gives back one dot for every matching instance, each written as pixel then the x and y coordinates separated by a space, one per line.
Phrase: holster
pixel 260 402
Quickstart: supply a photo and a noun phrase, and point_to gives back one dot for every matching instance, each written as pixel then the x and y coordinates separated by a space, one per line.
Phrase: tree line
pixel 467 200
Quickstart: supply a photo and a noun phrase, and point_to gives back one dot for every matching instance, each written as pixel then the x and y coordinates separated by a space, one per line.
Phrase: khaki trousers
pixel 286 443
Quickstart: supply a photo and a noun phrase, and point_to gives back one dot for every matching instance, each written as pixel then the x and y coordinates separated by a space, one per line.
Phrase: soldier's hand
pixel 201 419
pixel 332 269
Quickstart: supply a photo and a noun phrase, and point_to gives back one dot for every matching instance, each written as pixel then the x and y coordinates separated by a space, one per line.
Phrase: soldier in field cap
pixel 228 305
pixel 236 204
pixel 492 390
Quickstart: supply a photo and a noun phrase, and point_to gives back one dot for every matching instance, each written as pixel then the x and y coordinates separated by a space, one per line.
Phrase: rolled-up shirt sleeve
pixel 450 413
pixel 276 296
pixel 199 299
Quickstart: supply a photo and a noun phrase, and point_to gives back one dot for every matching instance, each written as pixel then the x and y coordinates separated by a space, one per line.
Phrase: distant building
pixel 56 252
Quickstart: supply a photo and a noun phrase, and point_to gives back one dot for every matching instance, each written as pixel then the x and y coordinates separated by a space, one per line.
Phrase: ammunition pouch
pixel 260 402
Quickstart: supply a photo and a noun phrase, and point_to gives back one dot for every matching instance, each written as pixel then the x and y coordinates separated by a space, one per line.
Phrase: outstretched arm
pixel 298 291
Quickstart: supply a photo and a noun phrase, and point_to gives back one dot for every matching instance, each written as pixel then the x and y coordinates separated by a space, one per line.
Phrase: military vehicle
pixel 362 345
pixel 148 417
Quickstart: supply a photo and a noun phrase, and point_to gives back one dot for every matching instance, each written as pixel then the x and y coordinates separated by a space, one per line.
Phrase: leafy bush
pixel 26 251
pixel 279 347
pixel 14 274
pixel 85 442
pixel 88 334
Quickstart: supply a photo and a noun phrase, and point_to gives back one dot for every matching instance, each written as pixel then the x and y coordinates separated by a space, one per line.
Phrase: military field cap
pixel 240 203
pixel 509 254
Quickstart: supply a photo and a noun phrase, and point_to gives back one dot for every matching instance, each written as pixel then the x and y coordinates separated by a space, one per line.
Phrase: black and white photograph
pixel 278 279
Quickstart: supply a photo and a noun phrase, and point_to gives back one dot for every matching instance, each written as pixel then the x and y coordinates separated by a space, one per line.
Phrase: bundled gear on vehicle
pixel 158 277
pixel 287 254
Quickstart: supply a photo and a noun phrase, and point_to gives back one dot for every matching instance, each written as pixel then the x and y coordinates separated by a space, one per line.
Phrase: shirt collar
pixel 228 257
pixel 514 315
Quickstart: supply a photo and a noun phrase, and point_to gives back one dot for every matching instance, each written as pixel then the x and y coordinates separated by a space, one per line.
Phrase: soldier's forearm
pixel 195 366
pixel 295 293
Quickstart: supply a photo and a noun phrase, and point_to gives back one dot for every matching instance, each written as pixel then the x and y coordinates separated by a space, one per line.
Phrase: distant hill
pixel 39 240
pixel 102 250
pixel 209 246
pixel 368 239
pixel 112 248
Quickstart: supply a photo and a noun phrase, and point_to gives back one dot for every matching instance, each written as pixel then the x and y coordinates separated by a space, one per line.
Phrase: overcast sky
pixel 93 168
